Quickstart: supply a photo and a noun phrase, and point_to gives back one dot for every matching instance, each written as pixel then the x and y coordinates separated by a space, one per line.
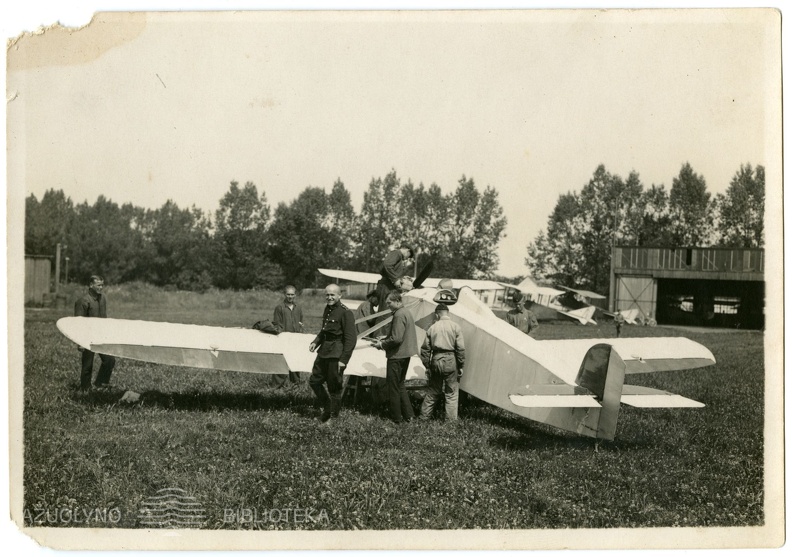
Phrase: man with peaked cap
pixel 520 317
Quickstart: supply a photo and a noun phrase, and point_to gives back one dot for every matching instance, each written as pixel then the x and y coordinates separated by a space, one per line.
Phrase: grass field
pixel 242 449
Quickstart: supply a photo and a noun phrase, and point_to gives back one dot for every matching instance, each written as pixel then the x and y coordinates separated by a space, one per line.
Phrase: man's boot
pixel 327 411
pixel 335 405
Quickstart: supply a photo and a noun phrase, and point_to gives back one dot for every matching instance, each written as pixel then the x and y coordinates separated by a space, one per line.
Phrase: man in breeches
pixel 443 355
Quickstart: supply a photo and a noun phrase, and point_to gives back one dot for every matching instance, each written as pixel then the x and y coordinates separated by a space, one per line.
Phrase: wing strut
pixel 372 316
pixel 378 326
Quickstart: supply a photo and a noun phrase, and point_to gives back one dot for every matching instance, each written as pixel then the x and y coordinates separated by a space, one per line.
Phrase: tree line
pixel 575 247
pixel 246 244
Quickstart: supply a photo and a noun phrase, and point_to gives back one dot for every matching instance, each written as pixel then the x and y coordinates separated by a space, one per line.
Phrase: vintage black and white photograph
pixel 397 279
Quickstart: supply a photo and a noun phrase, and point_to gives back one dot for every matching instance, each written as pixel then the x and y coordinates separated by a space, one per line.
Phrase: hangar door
pixel 637 292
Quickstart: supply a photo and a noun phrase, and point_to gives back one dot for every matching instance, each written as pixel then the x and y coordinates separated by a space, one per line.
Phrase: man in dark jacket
pixel 520 317
pixel 287 317
pixel 333 346
pixel 369 307
pixel 94 304
pixel 394 267
pixel 400 344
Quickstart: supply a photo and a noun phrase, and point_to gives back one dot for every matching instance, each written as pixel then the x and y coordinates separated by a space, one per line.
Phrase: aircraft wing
pixel 373 278
pixel 354 276
pixel 473 284
pixel 220 348
pixel 530 287
pixel 585 293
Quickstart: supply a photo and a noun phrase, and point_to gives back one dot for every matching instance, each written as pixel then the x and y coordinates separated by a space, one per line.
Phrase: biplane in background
pixel 576 385
pixel 554 304
pixel 573 303
pixel 489 291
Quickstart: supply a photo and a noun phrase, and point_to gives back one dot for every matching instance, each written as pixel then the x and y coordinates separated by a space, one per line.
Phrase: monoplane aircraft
pixel 576 385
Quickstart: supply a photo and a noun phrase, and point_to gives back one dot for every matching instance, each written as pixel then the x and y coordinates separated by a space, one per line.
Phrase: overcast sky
pixel 175 106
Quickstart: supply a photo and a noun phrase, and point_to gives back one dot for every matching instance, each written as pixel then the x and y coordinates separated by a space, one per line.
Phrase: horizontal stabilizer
pixel 645 397
pixel 640 355
pixel 554 401
pixel 554 396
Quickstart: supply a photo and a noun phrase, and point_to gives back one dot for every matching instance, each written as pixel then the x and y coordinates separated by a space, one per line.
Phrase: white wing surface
pixel 224 348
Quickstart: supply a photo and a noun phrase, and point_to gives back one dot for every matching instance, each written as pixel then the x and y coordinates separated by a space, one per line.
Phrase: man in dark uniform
pixel 335 343
pixel 394 267
pixel 523 319
pixel 94 304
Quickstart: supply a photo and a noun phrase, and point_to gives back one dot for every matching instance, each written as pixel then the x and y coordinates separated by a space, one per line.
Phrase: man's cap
pixel 441 307
pixel 517 297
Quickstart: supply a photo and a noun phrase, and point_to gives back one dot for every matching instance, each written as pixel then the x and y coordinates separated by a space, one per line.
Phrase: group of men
pixel 442 352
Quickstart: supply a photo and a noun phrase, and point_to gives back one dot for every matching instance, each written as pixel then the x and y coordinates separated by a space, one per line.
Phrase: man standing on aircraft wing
pixel 287 318
pixel 94 304
pixel 443 356
pixel 394 267
pixel 523 319
pixel 335 343
pixel 400 344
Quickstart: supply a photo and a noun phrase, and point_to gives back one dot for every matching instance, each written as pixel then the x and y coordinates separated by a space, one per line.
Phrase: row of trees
pixel 575 248
pixel 246 244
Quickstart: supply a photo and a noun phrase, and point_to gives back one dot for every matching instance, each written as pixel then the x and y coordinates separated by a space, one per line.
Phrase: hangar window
pixel 726 306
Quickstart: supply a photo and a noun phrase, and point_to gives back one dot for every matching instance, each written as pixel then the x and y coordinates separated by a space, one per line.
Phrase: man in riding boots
pixel 333 346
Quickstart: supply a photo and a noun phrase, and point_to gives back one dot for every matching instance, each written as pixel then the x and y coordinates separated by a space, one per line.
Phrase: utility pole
pixel 57 268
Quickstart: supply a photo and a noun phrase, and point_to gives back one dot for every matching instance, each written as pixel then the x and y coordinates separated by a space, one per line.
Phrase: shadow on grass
pixel 526 434
pixel 202 401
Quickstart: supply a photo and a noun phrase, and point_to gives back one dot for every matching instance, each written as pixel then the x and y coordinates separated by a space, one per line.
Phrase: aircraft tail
pixel 590 406
pixel 602 373
pixel 583 315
